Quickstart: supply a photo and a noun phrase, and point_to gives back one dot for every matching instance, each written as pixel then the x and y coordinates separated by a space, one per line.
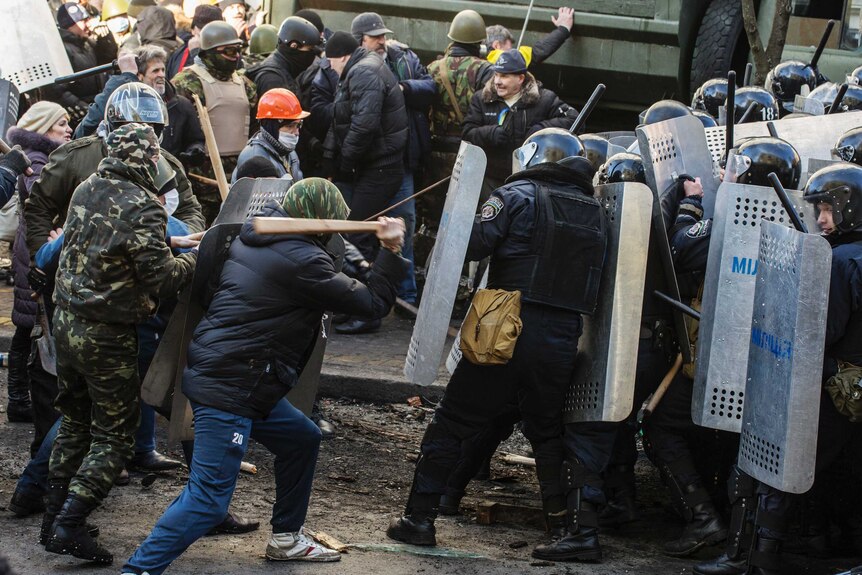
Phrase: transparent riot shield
pixel 33 53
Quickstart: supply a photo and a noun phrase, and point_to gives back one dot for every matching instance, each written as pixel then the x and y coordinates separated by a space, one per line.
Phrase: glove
pixel 15 161
pixel 37 279
pixel 500 136
pixel 193 157
pixel 77 112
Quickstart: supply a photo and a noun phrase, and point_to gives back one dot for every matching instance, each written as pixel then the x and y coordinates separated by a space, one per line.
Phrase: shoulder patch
pixel 699 229
pixel 491 208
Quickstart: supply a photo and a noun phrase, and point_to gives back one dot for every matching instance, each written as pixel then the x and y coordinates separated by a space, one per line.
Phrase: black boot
pixel 417 525
pixel 734 561
pixel 69 535
pixel 576 541
pixel 620 491
pixel 26 502
pixel 234 525
pixel 450 503
pixel 19 409
pixel 705 528
pixel 765 558
pixel 56 496
pixel 723 565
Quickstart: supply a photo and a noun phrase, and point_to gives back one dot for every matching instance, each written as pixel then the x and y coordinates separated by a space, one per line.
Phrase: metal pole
pixel 677 304
pixel 526 19
pixel 588 109
pixel 729 108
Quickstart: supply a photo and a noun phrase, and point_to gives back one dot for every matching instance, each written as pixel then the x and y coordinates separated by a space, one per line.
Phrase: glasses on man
pixel 229 51
pixel 293 125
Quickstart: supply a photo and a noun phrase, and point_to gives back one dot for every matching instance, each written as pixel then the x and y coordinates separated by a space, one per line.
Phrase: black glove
pixel 77 111
pixel 194 157
pixel 500 136
pixel 16 161
pixel 37 279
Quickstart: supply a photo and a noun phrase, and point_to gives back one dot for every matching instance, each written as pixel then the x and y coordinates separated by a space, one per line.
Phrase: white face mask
pixel 172 200
pixel 118 25
pixel 288 140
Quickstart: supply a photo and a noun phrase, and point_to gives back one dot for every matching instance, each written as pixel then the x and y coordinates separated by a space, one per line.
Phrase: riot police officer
pixel 509 229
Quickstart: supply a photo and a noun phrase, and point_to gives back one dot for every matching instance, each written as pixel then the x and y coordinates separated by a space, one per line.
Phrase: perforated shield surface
pixel 602 386
pixel 728 295
pixel 33 54
pixel 785 362
pixel 438 296
pixel 248 195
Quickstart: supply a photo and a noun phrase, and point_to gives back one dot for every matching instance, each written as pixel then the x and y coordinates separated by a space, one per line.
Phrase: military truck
pixel 643 50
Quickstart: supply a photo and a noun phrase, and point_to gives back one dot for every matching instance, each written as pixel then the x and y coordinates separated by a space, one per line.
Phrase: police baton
pixel 786 203
pixel 749 70
pixel 112 67
pixel 729 113
pixel 823 40
pixel 842 90
pixel 588 109
pixel 691 312
pixel 748 113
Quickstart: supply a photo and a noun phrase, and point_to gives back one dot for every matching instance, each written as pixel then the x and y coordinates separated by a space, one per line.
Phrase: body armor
pixel 228 109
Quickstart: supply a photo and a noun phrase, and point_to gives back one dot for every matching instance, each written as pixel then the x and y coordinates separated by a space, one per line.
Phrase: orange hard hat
pixel 280 104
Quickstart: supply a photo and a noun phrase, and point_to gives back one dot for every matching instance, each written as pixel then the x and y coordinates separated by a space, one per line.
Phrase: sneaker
pixel 297 547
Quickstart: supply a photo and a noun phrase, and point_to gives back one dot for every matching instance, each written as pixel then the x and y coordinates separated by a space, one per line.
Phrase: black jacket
pixel 537 108
pixel 83 54
pixel 844 316
pixel 248 350
pixel 273 72
pixel 369 118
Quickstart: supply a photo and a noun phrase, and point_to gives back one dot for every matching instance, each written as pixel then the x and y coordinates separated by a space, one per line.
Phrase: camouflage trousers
pixel 99 391
pixel 208 195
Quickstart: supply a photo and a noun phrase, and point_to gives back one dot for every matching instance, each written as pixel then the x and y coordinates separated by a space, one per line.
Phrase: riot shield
pixel 438 296
pixel 33 53
pixel 785 358
pixel 602 386
pixel 8 106
pixel 728 297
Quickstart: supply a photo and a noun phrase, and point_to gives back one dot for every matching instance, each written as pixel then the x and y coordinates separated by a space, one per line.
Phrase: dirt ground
pixel 362 480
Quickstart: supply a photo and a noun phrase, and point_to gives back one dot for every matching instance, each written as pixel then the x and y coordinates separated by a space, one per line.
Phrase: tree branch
pixel 779 34
pixel 749 23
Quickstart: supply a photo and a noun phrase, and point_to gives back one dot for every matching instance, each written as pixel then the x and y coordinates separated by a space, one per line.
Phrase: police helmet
pixel 298 30
pixel 548 145
pixel 710 96
pixel 839 185
pixel 705 118
pixel 467 27
pixel 825 94
pixel 788 80
pixel 595 149
pixel 764 155
pixel 217 34
pixel 263 40
pixel 849 147
pixel 765 104
pixel 665 110
pixel 852 99
pixel 136 102
pixel 622 167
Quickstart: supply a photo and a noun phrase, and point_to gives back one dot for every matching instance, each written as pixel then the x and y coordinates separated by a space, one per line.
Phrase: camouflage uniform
pixel 188 83
pixel 113 267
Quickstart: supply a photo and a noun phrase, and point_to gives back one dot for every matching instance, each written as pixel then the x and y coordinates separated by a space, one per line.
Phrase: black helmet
pixel 710 96
pixel 786 81
pixel 595 149
pixel 765 104
pixel 548 145
pixel 825 94
pixel 852 99
pixel 764 155
pixel 622 167
pixel 705 118
pixel 299 30
pixel 849 147
pixel 136 102
pixel 665 110
pixel 839 185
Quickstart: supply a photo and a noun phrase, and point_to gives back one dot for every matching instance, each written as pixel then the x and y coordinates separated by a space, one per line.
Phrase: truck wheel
pixel 721 43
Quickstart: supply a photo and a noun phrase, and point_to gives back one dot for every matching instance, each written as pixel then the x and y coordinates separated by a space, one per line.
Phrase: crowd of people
pixel 117 177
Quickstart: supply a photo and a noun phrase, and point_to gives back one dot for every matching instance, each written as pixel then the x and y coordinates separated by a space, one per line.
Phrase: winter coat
pixel 369 118
pixel 71 164
pixel 537 108
pixel 419 91
pixel 37 147
pixel 273 72
pixel 258 332
pixel 262 145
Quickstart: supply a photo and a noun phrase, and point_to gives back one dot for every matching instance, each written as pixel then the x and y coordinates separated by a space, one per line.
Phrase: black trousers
pixel 371 193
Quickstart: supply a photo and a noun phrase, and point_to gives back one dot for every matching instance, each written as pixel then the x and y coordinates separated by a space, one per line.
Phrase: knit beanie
pixel 41 117
pixel 341 44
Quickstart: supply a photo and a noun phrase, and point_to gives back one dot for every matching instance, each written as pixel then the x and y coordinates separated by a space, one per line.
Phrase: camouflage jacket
pixel 115 264
pixel 187 83
pixel 467 74
pixel 71 164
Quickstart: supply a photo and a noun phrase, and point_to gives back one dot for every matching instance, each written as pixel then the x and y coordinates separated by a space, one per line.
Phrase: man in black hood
pixel 298 40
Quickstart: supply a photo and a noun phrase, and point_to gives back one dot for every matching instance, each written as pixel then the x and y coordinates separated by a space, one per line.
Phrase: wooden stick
pixel 4 147
pixel 327 540
pixel 662 388
pixel 203 179
pixel 212 148
pixel 405 200
pixel 248 467
pixel 513 459
pixel 311 226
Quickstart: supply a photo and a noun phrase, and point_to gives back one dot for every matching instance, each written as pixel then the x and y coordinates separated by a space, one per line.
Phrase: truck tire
pixel 721 43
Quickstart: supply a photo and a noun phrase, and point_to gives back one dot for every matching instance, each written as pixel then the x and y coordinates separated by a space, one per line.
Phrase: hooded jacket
pixel 500 134
pixel 262 145
pixel 259 330
pixel 156 26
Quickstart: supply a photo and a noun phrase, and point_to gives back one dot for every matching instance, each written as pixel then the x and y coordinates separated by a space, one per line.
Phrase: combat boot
pixel 69 535
pixel 417 525
pixel 723 565
pixel 450 503
pixel 56 496
pixel 705 528
pixel 765 558
pixel 18 409
pixel 26 502
pixel 574 540
pixel 620 488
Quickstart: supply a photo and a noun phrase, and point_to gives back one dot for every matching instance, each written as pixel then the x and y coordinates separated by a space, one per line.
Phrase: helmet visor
pixel 523 155
pixel 838 198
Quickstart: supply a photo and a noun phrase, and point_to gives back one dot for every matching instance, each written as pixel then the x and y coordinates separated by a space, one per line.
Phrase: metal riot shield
pixel 603 383
pixel 438 296
pixel 728 297
pixel 33 54
pixel 785 358
pixel 8 106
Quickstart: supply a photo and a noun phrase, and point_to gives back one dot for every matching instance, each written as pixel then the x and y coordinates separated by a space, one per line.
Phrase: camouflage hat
pixel 315 198
pixel 134 144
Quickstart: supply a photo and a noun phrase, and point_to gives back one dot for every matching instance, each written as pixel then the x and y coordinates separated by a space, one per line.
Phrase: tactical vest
pixel 463 73
pixel 227 104
pixel 567 252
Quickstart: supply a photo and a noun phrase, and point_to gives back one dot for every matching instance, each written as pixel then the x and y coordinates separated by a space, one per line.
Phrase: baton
pixel 312 226
pixel 748 113
pixel 772 131
pixel 728 113
pixel 678 305
pixel 405 200
pixel 838 97
pixel 823 39
pixel 662 388
pixel 588 109
pixel 785 201
pixel 524 28
pixel 746 79
pixel 112 67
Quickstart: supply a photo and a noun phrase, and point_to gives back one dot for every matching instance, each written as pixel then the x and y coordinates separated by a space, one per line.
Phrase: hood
pixel 529 92
pixel 271 209
pixel 31 141
pixel 115 169
pixel 156 26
